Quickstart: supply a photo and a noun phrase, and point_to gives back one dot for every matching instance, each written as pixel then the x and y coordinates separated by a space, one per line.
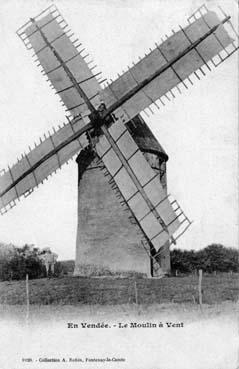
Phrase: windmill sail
pixel 139 185
pixel 62 62
pixel 170 65
pixel 35 166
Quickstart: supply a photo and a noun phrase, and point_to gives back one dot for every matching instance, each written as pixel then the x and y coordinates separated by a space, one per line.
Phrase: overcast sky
pixel 198 129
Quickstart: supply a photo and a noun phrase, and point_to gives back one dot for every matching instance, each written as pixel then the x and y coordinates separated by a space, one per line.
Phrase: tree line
pixel 213 258
pixel 16 262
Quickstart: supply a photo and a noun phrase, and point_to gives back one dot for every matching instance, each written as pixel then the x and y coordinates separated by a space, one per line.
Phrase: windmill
pixel 105 128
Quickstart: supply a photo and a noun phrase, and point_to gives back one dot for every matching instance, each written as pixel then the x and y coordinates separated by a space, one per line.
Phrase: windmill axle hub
pixel 98 118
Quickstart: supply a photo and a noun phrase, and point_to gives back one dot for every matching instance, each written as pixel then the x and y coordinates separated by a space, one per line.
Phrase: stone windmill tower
pixel 102 219
pixel 119 160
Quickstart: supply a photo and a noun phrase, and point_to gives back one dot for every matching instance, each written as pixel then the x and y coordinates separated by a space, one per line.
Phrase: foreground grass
pixel 115 291
pixel 186 312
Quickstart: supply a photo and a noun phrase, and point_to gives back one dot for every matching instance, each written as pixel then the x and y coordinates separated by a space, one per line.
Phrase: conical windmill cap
pixel 145 138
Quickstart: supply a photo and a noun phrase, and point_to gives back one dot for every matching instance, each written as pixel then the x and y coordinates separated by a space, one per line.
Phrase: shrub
pixel 214 257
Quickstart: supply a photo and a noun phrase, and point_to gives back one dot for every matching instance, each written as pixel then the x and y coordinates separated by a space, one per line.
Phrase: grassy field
pixel 115 291
pixel 208 338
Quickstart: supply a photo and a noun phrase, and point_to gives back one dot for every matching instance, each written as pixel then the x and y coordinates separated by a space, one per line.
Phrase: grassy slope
pixel 76 290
